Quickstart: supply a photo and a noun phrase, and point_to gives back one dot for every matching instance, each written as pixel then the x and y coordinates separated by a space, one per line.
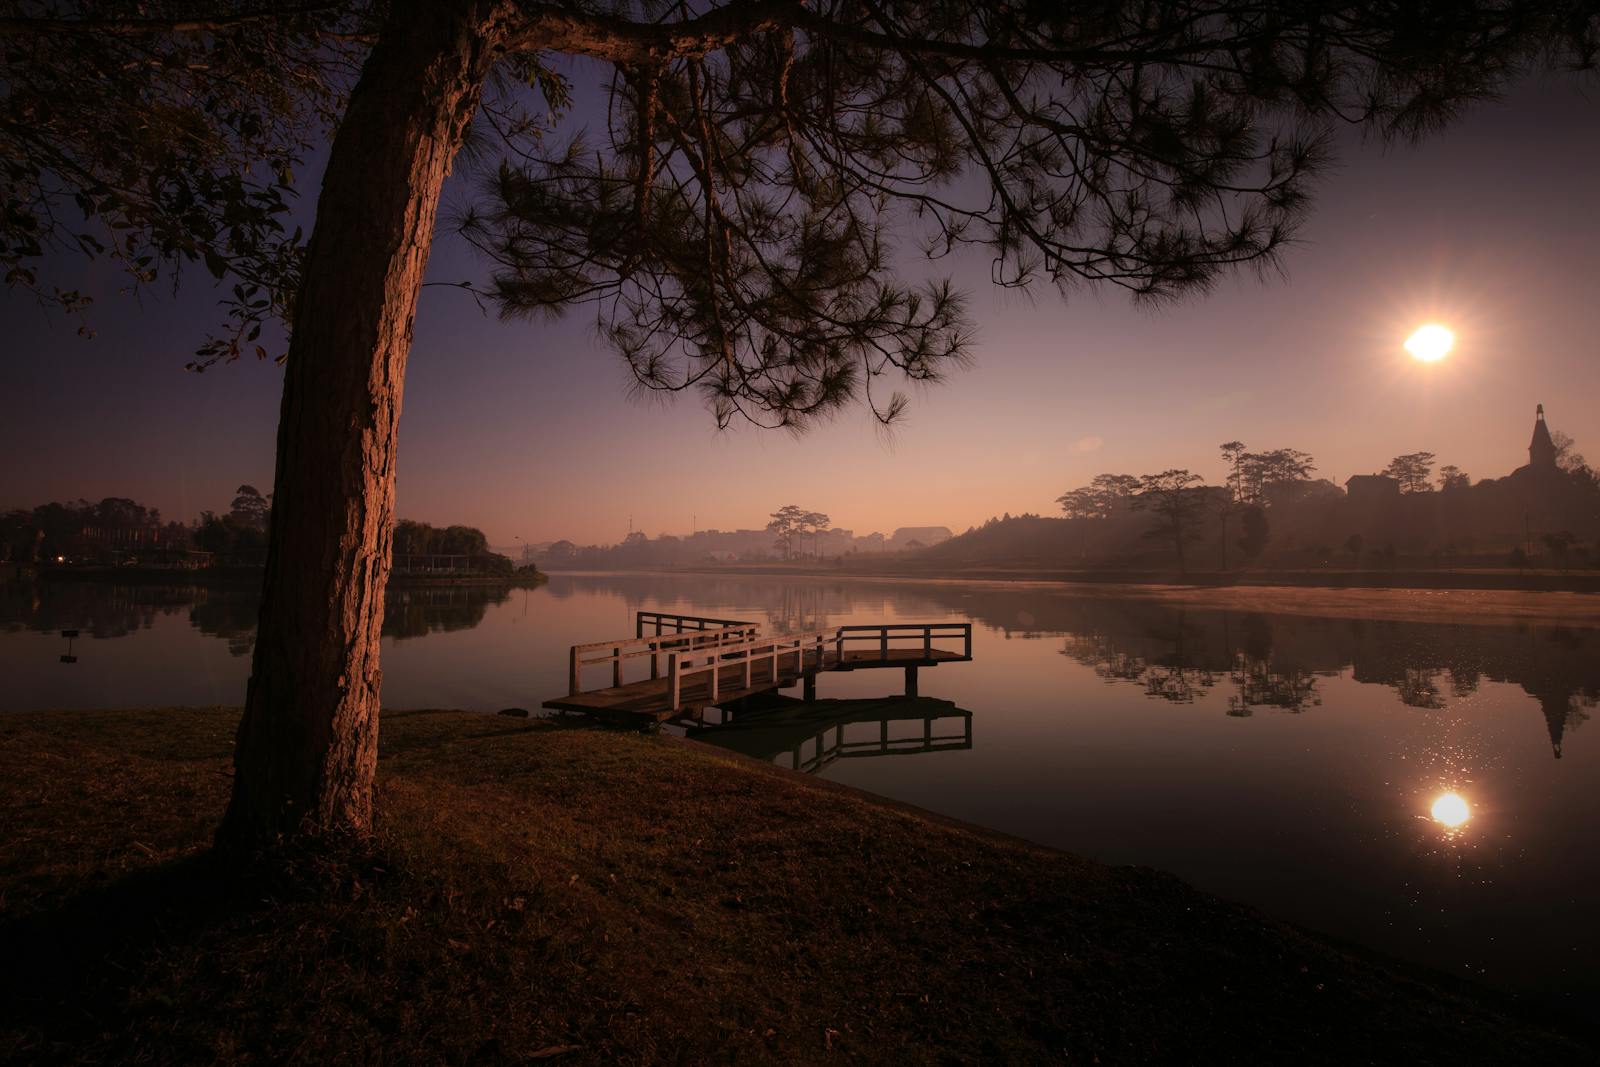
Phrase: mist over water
pixel 1300 764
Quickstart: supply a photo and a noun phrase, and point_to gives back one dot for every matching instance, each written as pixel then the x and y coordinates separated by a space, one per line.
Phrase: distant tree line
pixel 69 530
pixel 120 530
pixel 1271 508
pixel 419 547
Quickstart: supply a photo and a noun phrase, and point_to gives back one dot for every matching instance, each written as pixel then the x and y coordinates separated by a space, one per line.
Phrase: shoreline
pixel 1466 606
pixel 1572 581
pixel 555 876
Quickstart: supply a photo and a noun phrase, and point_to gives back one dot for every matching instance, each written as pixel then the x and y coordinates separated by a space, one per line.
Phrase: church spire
pixel 1541 450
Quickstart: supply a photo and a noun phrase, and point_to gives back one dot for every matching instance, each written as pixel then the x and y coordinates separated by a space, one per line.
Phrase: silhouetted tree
pixel 1451 478
pixel 1254 532
pixel 1568 458
pixel 1233 453
pixel 815 523
pixel 786 525
pixel 1260 472
pixel 250 507
pixel 1413 471
pixel 233 539
pixel 1100 499
pixel 1173 497
pixel 1353 545
pixel 730 227
pixel 165 135
pixel 1081 503
pixel 412 538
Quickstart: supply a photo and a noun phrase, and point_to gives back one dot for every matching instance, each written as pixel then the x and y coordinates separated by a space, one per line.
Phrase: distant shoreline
pixel 1444 606
pixel 1531 581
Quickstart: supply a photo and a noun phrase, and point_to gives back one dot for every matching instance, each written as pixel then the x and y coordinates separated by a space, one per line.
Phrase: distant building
pixel 1541 450
pixel 927 535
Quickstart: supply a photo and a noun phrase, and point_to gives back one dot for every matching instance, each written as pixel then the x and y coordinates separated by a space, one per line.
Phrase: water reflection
pixel 110 610
pixel 1450 809
pixel 810 737
pixel 1176 655
pixel 96 610
pixel 1289 762
pixel 1264 662
pixel 419 611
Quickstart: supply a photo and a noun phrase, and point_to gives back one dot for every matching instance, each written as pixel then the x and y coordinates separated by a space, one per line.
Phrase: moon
pixel 1430 343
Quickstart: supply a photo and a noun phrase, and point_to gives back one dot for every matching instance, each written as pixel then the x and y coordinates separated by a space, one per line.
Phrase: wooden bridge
pixel 696 662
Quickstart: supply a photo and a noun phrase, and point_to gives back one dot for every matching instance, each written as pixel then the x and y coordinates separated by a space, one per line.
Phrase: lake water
pixel 1289 762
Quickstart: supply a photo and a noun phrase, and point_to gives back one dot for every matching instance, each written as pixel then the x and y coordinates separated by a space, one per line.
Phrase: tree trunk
pixel 307 747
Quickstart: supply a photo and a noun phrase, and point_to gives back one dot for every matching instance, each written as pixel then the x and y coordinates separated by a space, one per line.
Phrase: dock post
pixel 911 681
pixel 809 690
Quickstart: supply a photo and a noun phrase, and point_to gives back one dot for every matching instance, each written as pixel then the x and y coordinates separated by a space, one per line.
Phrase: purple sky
pixel 1492 228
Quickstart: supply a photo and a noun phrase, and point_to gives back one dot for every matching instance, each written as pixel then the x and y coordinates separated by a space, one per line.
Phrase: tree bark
pixel 307 747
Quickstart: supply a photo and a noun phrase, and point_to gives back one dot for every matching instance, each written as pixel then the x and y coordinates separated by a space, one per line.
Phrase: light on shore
pixel 1450 809
pixel 1430 343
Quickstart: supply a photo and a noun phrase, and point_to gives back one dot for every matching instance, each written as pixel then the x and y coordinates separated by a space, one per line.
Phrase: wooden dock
pixel 696 662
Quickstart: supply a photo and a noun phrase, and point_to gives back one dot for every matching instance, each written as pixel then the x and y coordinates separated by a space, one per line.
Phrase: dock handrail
pixel 679 623
pixel 618 651
pixel 681 665
pixel 881 635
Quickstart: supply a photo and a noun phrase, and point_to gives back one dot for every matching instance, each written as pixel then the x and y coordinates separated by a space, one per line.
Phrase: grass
pixel 549 893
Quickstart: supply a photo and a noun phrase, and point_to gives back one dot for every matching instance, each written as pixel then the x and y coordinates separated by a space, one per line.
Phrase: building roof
pixel 1541 450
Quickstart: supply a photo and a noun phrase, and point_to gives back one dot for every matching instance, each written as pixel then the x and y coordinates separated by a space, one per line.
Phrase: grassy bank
pixel 569 894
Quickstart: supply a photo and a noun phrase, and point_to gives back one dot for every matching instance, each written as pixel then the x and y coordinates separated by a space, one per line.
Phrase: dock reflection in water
pixel 809 737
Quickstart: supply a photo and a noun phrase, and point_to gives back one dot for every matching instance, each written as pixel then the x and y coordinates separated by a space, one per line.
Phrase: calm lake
pixel 1289 762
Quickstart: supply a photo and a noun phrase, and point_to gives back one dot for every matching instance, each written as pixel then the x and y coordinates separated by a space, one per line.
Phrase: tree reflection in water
pixel 1254 662
pixel 417 611
pixel 1269 662
pixel 109 609
pixel 97 609
pixel 1292 689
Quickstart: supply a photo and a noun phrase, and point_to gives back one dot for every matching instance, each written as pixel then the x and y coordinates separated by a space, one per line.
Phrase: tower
pixel 1541 450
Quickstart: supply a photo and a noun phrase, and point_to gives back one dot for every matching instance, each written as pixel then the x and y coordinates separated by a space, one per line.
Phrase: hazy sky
pixel 1492 228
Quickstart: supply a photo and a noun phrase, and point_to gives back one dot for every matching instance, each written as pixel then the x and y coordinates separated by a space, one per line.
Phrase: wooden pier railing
pixel 891 636
pixel 710 659
pixel 617 653
pixel 662 622
pixel 769 651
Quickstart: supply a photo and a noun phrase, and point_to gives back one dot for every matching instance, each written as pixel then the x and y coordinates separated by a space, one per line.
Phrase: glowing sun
pixel 1451 809
pixel 1430 343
